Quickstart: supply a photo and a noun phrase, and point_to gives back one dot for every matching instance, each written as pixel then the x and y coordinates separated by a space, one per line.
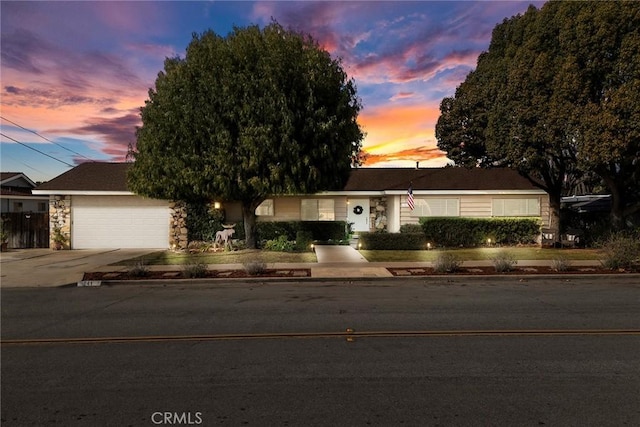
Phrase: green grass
pixel 478 254
pixel 235 257
pixel 269 257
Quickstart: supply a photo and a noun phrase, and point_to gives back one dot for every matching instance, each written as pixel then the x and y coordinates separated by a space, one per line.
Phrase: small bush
pixel 139 269
pixel 411 228
pixel 255 268
pixel 304 239
pixel 504 261
pixel 620 252
pixel 281 244
pixel 561 263
pixel 447 263
pixel 194 268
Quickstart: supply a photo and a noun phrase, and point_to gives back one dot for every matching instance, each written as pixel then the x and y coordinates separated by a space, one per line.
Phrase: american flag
pixel 410 201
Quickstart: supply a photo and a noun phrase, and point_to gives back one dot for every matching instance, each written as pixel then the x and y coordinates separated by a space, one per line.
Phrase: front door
pixel 358 214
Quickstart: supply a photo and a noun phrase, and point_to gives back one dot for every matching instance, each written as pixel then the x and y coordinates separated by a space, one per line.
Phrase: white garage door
pixel 119 222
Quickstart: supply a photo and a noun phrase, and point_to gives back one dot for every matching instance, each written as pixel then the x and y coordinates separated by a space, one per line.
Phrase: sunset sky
pixel 76 73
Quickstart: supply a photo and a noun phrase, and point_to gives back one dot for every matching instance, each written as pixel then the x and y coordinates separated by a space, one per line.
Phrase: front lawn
pixel 235 257
pixel 478 254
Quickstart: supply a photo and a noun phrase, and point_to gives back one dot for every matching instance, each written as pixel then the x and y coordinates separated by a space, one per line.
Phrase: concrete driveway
pixel 47 268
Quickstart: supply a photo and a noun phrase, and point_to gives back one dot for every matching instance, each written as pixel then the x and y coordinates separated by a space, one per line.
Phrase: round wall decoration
pixel 357 210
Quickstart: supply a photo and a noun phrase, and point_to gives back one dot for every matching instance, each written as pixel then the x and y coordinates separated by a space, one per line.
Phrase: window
pixel 516 207
pixel 42 206
pixel 265 208
pixel 436 207
pixel 317 210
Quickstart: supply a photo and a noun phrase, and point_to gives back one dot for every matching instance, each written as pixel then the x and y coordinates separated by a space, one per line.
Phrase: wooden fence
pixel 27 229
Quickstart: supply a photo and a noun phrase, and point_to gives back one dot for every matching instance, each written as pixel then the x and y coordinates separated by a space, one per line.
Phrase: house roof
pixel 15 184
pixel 451 178
pixel 6 178
pixel 90 176
pixel 111 177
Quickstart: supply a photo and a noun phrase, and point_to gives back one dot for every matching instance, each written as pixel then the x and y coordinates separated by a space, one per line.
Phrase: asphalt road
pixel 420 352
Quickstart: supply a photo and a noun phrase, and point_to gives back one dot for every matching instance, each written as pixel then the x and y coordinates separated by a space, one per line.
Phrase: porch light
pixel 216 205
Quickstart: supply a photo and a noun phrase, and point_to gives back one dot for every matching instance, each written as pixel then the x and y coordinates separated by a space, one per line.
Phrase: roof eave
pixel 83 193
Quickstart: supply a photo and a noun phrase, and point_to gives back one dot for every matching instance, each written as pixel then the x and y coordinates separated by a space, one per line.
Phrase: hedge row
pixel 392 241
pixel 475 231
pixel 315 230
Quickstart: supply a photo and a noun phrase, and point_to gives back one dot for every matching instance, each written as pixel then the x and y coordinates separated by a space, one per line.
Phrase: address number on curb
pixel 89 283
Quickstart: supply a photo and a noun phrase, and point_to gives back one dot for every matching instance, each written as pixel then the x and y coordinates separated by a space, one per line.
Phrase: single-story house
pixel 93 206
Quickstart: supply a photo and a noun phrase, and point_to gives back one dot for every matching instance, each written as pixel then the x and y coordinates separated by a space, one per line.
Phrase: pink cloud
pixel 402 95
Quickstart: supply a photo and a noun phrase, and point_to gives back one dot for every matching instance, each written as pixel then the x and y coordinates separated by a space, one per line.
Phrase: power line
pixel 22 163
pixel 46 139
pixel 37 151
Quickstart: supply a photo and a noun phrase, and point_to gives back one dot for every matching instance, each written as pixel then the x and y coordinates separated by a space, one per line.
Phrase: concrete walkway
pixel 48 268
pixel 333 253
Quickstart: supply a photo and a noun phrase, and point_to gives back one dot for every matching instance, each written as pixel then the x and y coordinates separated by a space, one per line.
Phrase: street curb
pixel 435 279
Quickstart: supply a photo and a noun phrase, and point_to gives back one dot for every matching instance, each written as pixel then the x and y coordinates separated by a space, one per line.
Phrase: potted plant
pixel 59 239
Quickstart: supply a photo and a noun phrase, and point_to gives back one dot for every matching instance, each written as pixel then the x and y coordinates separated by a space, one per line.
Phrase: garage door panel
pixel 119 222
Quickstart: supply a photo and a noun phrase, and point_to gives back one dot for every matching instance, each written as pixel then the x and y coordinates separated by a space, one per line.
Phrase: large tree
pixel 256 113
pixel 526 104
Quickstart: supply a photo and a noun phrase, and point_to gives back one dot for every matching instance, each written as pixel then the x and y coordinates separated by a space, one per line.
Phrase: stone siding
pixel 178 232
pixel 60 219
pixel 378 214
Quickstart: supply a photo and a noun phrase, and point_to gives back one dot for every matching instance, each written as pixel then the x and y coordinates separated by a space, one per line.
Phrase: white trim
pixel 355 194
pixel 82 193
pixel 39 198
pixel 465 192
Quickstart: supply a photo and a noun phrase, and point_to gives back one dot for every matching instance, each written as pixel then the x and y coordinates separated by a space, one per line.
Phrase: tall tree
pixel 526 106
pixel 606 46
pixel 242 117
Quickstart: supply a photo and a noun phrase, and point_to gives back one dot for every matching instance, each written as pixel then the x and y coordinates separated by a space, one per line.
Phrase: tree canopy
pixel 556 90
pixel 242 117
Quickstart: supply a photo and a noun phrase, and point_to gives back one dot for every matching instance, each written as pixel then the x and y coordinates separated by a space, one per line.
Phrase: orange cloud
pixel 400 133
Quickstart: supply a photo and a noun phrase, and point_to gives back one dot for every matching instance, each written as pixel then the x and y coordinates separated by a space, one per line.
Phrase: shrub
pixel 411 228
pixel 446 263
pixel 320 230
pixel 255 268
pixel 203 221
pixel 392 241
pixel 194 268
pixel 281 244
pixel 620 251
pixel 139 269
pixel 303 240
pixel 454 232
pixel 561 263
pixel 504 261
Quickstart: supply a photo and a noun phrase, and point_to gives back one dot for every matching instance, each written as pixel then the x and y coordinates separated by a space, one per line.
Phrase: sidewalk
pixel 47 268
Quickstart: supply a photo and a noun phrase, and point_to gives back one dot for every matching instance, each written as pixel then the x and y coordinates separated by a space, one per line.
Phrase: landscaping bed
pixel 209 274
pixel 486 271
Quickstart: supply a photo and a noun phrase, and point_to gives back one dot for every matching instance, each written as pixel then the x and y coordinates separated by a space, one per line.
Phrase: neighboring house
pixel 91 203
pixel 16 196
pixel 25 216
